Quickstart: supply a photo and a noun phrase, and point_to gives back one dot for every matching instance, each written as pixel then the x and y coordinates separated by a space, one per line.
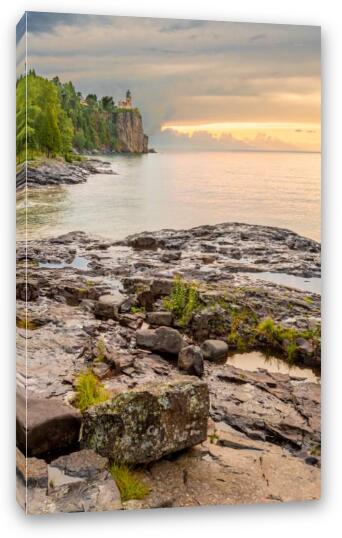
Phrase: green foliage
pixel 89 391
pixel 213 437
pixel 241 334
pixel 183 300
pixel 277 335
pixel 130 486
pixel 42 125
pixel 137 309
pixel 52 119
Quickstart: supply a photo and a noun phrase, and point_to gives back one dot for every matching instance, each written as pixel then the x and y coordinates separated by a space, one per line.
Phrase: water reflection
pixel 255 359
pixel 182 190
pixel 307 284
pixel 45 211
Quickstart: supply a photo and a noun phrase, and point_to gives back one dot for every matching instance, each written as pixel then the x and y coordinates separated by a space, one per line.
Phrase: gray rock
pixel 77 482
pixel 33 471
pixel 51 425
pixel 163 339
pixel 190 360
pixel 83 464
pixel 161 286
pixel 214 350
pixel 143 242
pixel 102 370
pixel 168 340
pixel 146 338
pixel 159 318
pixel 149 422
pixel 145 299
pixel 108 306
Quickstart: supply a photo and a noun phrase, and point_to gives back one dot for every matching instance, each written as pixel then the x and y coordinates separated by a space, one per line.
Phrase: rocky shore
pixel 44 172
pixel 154 319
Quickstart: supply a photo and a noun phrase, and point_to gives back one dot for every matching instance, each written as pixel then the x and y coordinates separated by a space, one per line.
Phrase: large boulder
pixel 48 425
pixel 164 339
pixel 215 350
pixel 190 360
pixel 148 422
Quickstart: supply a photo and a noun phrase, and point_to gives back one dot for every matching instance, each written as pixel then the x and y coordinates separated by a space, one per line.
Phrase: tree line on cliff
pixel 52 118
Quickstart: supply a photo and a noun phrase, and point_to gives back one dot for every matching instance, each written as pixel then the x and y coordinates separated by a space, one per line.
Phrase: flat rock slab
pixel 228 469
pixel 45 425
pixel 147 423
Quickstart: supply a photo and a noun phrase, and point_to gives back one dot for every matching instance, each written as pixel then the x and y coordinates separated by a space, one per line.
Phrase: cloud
pixel 184 70
pixel 203 141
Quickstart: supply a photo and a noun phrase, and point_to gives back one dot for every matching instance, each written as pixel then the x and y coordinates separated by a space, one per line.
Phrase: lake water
pixel 182 190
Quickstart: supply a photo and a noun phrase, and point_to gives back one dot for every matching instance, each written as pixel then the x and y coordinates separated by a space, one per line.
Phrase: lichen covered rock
pixel 149 422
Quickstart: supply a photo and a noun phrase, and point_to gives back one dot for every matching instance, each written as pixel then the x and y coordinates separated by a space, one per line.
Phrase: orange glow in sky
pixel 304 136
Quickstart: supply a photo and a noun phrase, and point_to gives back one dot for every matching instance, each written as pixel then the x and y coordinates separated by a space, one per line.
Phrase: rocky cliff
pixel 130 133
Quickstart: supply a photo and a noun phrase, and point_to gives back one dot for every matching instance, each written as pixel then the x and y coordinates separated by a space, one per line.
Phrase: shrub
pixel 130 486
pixel 183 300
pixel 89 391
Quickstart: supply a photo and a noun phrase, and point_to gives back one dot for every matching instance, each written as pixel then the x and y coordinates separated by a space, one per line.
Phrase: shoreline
pixel 48 172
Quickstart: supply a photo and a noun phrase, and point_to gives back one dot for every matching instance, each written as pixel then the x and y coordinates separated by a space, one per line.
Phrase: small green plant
pixel 89 391
pixel 277 335
pixel 241 334
pixel 137 309
pixel 213 437
pixel 308 299
pixel 183 300
pixel 291 350
pixel 130 486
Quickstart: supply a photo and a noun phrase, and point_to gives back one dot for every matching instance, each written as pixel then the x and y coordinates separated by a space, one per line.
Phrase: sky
pixel 199 84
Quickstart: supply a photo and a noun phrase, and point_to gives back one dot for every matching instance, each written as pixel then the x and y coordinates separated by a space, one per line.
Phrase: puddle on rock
pixel 77 263
pixel 305 284
pixel 255 359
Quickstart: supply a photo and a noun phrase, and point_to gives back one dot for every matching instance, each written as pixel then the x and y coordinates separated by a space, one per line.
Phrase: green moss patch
pixel 129 484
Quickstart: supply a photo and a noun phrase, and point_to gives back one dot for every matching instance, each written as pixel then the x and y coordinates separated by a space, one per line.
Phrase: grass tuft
pixel 100 350
pixel 89 391
pixel 130 486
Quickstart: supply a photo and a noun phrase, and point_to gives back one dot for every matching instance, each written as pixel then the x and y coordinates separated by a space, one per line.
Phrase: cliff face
pixel 130 133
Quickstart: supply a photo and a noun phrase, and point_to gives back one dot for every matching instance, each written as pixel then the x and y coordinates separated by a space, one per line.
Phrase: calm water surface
pixel 254 360
pixel 182 190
